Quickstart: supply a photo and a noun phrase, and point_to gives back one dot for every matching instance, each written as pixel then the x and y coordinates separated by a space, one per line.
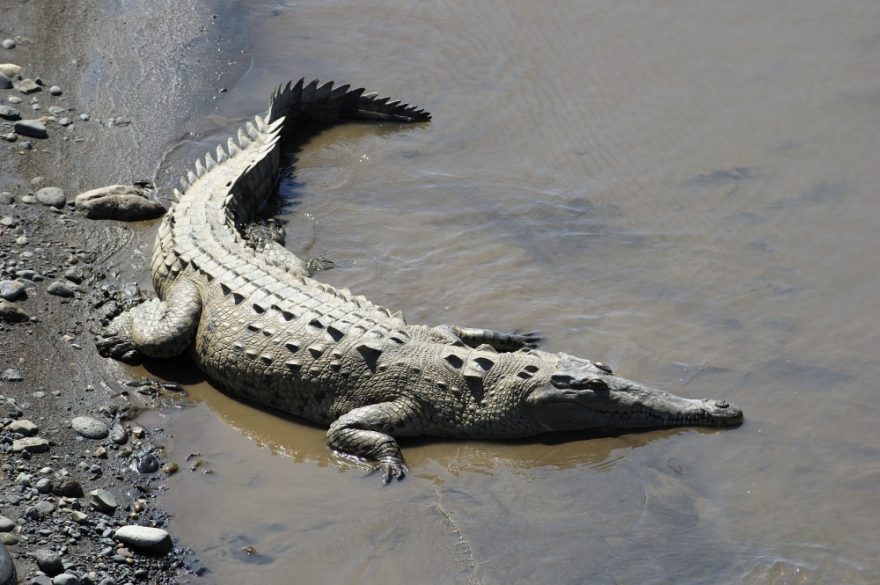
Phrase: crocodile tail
pixel 314 103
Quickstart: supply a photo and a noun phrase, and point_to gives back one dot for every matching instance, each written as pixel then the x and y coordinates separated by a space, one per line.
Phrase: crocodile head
pixel 582 395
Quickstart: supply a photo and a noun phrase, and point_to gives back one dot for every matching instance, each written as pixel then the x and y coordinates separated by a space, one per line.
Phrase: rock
pixel 118 434
pixel 5 82
pixel 41 580
pixel 11 375
pixel 144 538
pixel 6 197
pixel 8 538
pixel 27 86
pixel 11 290
pixel 43 485
pixel 59 289
pixel 23 427
pixel 90 428
pixel 65 121
pixel 66 579
pixel 30 444
pixel 123 202
pixel 7 569
pixel 102 501
pixel 31 128
pixel 55 90
pixel 8 44
pixel 51 196
pixel 10 70
pixel 8 221
pixel 9 113
pixel 40 510
pixel 48 561
pixel 6 525
pixel 85 117
pixel 74 275
pixel 68 487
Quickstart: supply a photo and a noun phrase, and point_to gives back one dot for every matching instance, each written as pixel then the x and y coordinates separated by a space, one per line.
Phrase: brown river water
pixel 686 190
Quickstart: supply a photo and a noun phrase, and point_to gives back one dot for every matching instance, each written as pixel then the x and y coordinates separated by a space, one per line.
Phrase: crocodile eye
pixel 598 385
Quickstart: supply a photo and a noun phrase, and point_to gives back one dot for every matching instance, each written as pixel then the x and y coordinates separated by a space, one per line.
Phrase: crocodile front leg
pixel 497 340
pixel 154 328
pixel 364 432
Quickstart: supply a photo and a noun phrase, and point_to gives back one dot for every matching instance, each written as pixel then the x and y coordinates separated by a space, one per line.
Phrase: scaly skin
pixel 254 320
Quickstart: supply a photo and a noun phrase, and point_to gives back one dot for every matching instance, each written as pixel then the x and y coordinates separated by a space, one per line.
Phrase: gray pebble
pixel 7 568
pixel 65 121
pixel 90 428
pixel 9 113
pixel 44 485
pixel 56 110
pixel 6 197
pixel 59 289
pixel 84 117
pixel 23 427
pixel 49 561
pixel 6 525
pixel 11 375
pixel 8 44
pixel 11 290
pixel 55 90
pixel 118 434
pixel 5 82
pixel 51 196
pixel 10 137
pixel 31 128
pixel 41 580
pixel 102 501
pixel 8 538
pixel 8 221
pixel 74 275
pixel 144 538
pixel 66 579
pixel 14 99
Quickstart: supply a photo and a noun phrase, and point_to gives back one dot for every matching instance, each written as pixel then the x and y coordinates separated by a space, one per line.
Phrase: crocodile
pixel 258 324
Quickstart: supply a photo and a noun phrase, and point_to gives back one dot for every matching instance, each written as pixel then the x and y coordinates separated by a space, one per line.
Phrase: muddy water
pixel 685 190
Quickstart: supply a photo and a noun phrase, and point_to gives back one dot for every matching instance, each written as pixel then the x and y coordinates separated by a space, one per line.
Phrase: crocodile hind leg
pixel 364 432
pixel 154 328
pixel 497 340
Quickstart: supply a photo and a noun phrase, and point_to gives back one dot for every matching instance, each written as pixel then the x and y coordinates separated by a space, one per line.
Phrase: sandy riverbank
pixel 130 78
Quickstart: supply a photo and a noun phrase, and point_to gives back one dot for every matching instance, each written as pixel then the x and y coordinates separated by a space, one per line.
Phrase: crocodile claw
pixel 530 340
pixel 391 469
pixel 113 346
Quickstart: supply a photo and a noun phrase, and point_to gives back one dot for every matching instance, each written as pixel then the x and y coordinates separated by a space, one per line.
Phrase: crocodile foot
pixel 115 346
pixel 530 340
pixel 313 265
pixel 391 469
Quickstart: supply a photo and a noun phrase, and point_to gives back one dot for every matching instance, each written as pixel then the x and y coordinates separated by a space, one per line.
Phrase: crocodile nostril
pixel 722 403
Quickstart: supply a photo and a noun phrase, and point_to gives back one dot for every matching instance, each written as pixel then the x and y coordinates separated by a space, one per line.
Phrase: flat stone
pixel 10 70
pixel 11 375
pixel 6 525
pixel 90 428
pixel 59 289
pixel 122 202
pixel 27 86
pixel 31 128
pixel 9 113
pixel 66 579
pixel 49 561
pixel 11 290
pixel 41 580
pixel 5 82
pixel 102 501
pixel 8 574
pixel 23 427
pixel 31 445
pixel 144 538
pixel 51 196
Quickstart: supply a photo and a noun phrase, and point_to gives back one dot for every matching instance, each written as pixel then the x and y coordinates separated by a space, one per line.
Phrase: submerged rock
pixel 123 202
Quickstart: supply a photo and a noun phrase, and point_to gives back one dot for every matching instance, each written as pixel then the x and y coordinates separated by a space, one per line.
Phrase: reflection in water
pixel 679 189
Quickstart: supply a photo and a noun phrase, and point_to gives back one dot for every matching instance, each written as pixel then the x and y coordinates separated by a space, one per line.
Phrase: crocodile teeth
pixel 261 123
pixel 209 162
pixel 184 184
pixel 232 147
pixel 221 154
pixel 200 168
pixel 252 130
pixel 191 177
pixel 177 195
